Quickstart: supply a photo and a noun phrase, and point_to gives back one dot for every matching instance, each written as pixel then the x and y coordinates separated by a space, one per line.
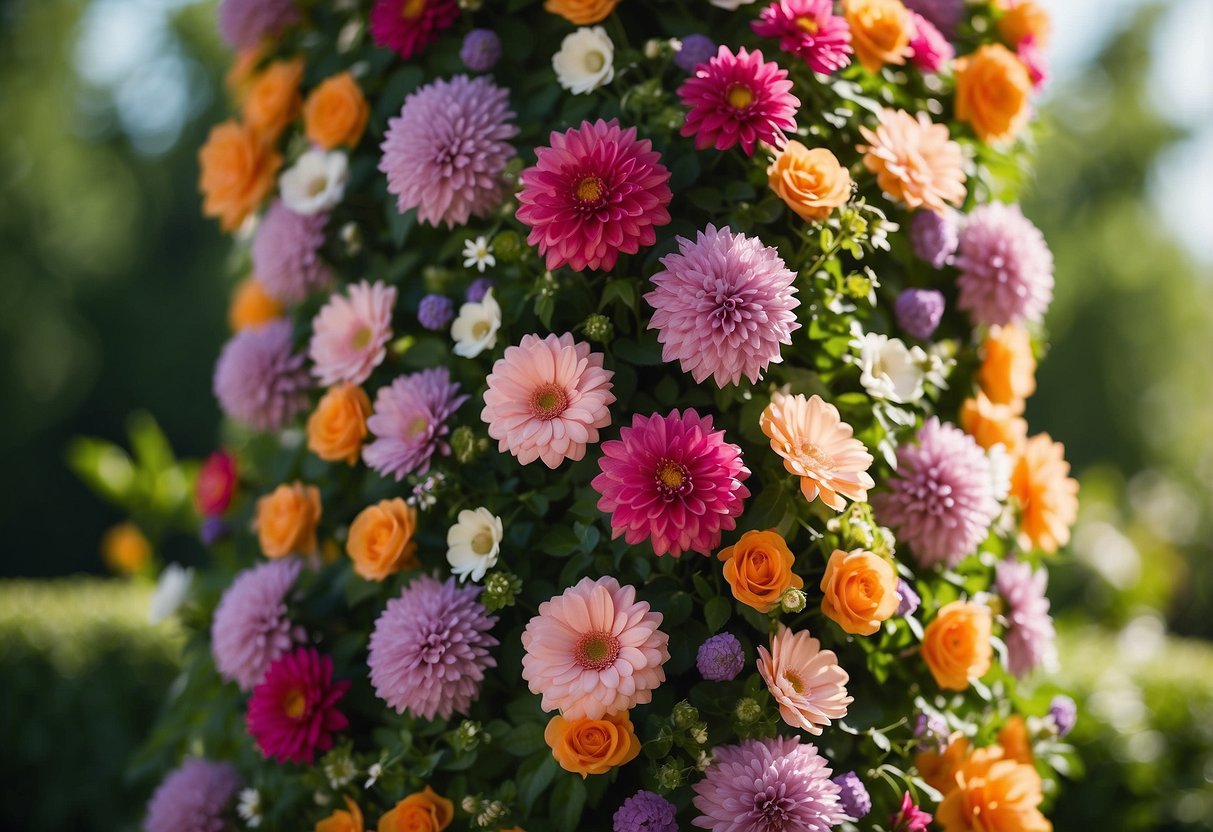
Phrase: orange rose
pixel 239 79
pixel 592 746
pixel 342 820
pixel 251 305
pixel 811 182
pixel 759 569
pixel 993 794
pixel 381 539
pixel 956 645
pixel 880 31
pixel 273 100
pixel 1047 495
pixel 581 12
pixel 939 769
pixel 1008 368
pixel 1015 742
pixel 859 591
pixel 993 88
pixel 1024 20
pixel 993 424
pixel 286 520
pixel 337 426
pixel 336 112
pixel 238 171
pixel 125 549
pixel 423 811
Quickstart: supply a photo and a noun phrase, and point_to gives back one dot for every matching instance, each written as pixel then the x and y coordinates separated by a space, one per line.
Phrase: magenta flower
pixel 929 49
pixel 910 818
pixel 350 333
pixel 410 422
pixel 723 306
pixel 258 380
pixel 251 628
pixel 293 713
pixel 673 480
pixel 809 29
pixel 286 253
pixel 194 797
pixel 409 27
pixel 738 99
pixel 243 24
pixel 596 192
pixel 1030 637
pixel 1006 268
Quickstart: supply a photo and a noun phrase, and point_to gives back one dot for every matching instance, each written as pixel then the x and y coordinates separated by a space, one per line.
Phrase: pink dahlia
pixel 915 161
pixel 929 49
pixel 350 333
pixel 1006 268
pixel 1030 636
pixel 445 153
pixel 409 27
pixel 410 422
pixel 251 628
pixel 596 192
pixel 771 785
pixel 594 650
pixel 674 480
pixel 258 380
pixel 430 648
pixel 738 98
pixel 723 306
pixel 547 398
pixel 194 797
pixel 805 680
pixel 286 253
pixel 941 501
pixel 809 29
pixel 243 24
pixel 293 713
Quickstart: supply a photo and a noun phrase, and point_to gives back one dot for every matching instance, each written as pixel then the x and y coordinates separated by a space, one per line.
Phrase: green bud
pixel 747 710
pixel 463 443
pixel 598 328
pixel 500 588
pixel 508 246
pixel 685 715
pixel 669 776
pixel 793 600
pixel 468 736
pixel 435 279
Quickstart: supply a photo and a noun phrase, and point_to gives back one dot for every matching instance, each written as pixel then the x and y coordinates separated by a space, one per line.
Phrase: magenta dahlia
pixel 596 192
pixel 409 27
pixel 810 30
pixel 738 99
pixel 194 797
pixel 673 480
pixel 293 713
pixel 1006 268
pixel 410 422
pixel 251 627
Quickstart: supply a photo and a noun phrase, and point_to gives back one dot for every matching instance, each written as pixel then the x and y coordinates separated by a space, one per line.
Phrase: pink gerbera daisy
pixel 410 26
pixel 674 480
pixel 914 160
pixel 350 334
pixel 594 650
pixel 805 680
pixel 596 192
pixel 547 398
pixel 738 98
pixel 293 713
pixel 809 29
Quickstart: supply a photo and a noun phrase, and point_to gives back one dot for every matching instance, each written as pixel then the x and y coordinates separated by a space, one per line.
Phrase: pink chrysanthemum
pixel 723 306
pixel 805 680
pixel 929 49
pixel 194 797
pixel 350 333
pixel 445 153
pixel 430 648
pixel 1006 268
pixel 941 502
pixel 258 380
pixel 547 398
pixel 409 27
pixel 809 29
pixel 738 99
pixel 771 785
pixel 286 253
pixel 245 23
pixel 595 192
pixel 1030 637
pixel 915 161
pixel 251 628
pixel 293 713
pixel 410 422
pixel 594 650
pixel 674 480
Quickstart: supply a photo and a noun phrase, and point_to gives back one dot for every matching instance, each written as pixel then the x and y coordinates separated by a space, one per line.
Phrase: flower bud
pixel 793 600
pixel 598 328
pixel 747 710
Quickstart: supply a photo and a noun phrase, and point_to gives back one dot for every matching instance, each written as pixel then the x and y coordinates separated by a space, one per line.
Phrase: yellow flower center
pixel 793 679
pixel 412 9
pixel 549 401
pixel 594 61
pixel 416 428
pixel 480 330
pixel 482 543
pixel 596 651
pixel 814 458
pixel 672 479
pixel 295 704
pixel 739 96
pixel 807 24
pixel 362 337
pixel 589 189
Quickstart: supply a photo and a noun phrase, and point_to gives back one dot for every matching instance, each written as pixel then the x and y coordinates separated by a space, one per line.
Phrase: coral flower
pixel 597 191
pixel 381 542
pixel 956 644
pixel 993 424
pixel 859 591
pixel 547 398
pixel 994 794
pixel 336 112
pixel 592 746
pixel 293 713
pixel 251 628
pixel 805 680
pixel 820 448
pixel 993 93
pixel 286 520
pixel 251 306
pixel 594 650
pixel 737 98
pixel 273 99
pixel 758 568
pixel 581 12
pixel 348 819
pixel 1008 368
pixel 810 30
pixel 880 31
pixel 239 170
pixel 423 811
pixel 409 27
pixel 337 427
pixel 350 333
pixel 1022 20
pixel 410 422
pixel 915 162
pixel 1047 495
pixel 811 182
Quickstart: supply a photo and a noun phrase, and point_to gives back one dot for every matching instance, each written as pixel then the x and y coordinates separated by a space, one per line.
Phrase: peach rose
pixel 336 112
pixel 859 591
pixel 1008 367
pixel 592 746
pixel 811 182
pixel 381 539
pixel 759 569
pixel 251 305
pixel 342 820
pixel 1025 19
pixel 993 424
pixel 423 811
pixel 1047 494
pixel 286 520
pixel 956 645
pixel 581 12
pixel 939 769
pixel 993 794
pixel 993 89
pixel 880 31
pixel 273 100
pixel 1014 739
pixel 243 72
pixel 238 171
pixel 337 426
pixel 125 549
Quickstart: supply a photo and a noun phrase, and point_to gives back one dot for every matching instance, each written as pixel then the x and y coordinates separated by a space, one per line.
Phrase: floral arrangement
pixel 626 422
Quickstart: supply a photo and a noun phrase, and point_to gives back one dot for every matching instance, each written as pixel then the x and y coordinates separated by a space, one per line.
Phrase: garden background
pixel 113 295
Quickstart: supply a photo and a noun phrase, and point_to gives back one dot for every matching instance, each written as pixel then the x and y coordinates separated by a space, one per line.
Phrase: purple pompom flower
pixel 720 658
pixel 1006 268
pixel 934 236
pixel 919 312
pixel 645 812
pixel 251 628
pixel 695 49
pixel 1030 636
pixel 1064 712
pixel 853 795
pixel 908 601
pixel 258 380
pixel 435 312
pixel 286 253
pixel 481 50
pixel 410 422
pixel 479 288
pixel 244 23
pixel 193 798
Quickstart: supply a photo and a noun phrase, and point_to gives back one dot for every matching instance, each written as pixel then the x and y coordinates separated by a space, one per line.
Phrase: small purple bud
pixel 479 288
pixel 435 312
pixel 696 49
pixel 908 600
pixel 934 237
pixel 1064 712
pixel 919 311
pixel 481 50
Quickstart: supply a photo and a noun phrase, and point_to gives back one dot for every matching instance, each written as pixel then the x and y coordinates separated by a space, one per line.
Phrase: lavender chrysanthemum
pixel 941 502
pixel 445 152
pixel 934 236
pixel 478 289
pixel 720 658
pixel 193 798
pixel 481 50
pixel 768 785
pixel 1006 268
pixel 695 49
pixel 853 795
pixel 908 601
pixel 410 422
pixel 435 312
pixel 945 14
pixel 286 253
pixel 258 380
pixel 1030 636
pixel 723 306
pixel 919 312
pixel 645 812
pixel 251 628
pixel 1064 712
pixel 244 23
pixel 430 648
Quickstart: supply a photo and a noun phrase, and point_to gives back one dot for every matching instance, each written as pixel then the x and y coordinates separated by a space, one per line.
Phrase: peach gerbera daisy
pixel 805 680
pixel 1048 496
pixel 820 448
pixel 914 160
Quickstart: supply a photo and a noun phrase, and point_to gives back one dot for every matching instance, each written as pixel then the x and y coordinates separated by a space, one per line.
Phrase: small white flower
pixel 340 771
pixel 478 253
pixel 475 330
pixel 731 5
pixel 1001 466
pixel 586 60
pixel 889 369
pixel 316 182
pixel 373 773
pixel 171 591
pixel 248 806
pixel 473 543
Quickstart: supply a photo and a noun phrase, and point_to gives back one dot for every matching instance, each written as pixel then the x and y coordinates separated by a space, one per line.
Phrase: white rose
pixel 475 330
pixel 586 60
pixel 171 591
pixel 316 182
pixel 890 370
pixel 473 543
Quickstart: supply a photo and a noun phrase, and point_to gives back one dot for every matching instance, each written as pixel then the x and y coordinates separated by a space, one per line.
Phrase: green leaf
pixel 545 305
pixel 568 801
pixel 560 541
pixel 534 776
pixel 716 612
pixel 622 290
pixel 523 740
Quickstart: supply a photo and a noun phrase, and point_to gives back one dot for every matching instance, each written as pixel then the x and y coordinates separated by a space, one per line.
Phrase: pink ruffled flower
pixel 547 399
pixel 1006 268
pixel 594 650
pixel 738 99
pixel 252 628
pixel 409 27
pixel 915 161
pixel 1031 637
pixel 293 713
pixel 195 797
pixel 929 49
pixel 809 29
pixel 805 680
pixel 350 334
pixel 410 422
pixel 596 192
